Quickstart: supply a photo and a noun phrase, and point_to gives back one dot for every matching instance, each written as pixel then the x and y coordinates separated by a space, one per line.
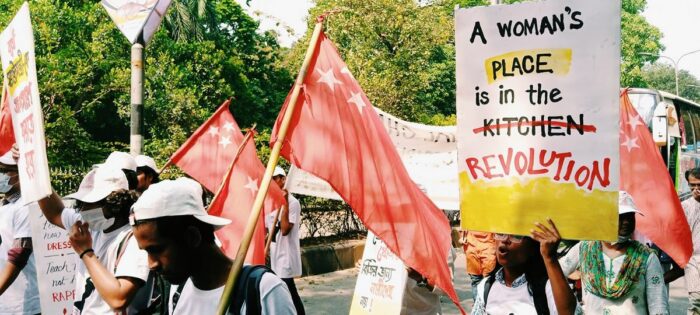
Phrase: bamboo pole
pixel 272 233
pixel 265 183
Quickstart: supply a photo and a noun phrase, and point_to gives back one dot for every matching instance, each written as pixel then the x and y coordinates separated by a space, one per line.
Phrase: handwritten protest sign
pixel 537 116
pixel 19 67
pixel 55 264
pixel 380 282
pixel 137 17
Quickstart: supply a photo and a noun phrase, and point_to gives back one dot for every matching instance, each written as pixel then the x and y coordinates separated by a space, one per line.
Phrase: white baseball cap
pixel 171 198
pixel 99 183
pixel 279 171
pixel 121 160
pixel 7 158
pixel 146 161
pixel 626 204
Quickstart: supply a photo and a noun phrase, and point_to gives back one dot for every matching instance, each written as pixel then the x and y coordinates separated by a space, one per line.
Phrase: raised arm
pixel 549 239
pixel 52 208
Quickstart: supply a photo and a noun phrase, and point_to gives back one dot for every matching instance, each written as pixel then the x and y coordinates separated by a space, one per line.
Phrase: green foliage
pixel 662 77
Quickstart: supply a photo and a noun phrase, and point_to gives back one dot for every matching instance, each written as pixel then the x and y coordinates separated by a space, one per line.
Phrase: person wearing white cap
pixel 170 223
pixel 622 277
pixel 127 163
pixel 285 250
pixel 146 171
pixel 114 271
pixel 19 292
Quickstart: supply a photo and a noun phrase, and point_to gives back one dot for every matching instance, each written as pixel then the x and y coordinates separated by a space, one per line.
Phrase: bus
pixel 675 125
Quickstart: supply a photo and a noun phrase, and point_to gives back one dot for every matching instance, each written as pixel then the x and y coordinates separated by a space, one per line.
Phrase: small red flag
pixel 7 134
pixel 336 135
pixel 235 201
pixel 643 175
pixel 207 154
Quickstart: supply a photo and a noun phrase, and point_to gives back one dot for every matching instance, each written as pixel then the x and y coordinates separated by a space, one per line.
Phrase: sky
pixel 679 21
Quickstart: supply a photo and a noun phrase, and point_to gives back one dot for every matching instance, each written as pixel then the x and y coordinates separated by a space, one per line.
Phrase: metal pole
pixel 137 66
pixel 677 93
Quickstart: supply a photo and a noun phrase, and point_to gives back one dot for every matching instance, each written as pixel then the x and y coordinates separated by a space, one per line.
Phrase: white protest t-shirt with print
pixel 274 298
pixel 134 263
pixel 22 297
pixel 285 252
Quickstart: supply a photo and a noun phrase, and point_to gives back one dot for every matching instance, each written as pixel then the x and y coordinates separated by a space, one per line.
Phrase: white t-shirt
pixel 22 297
pixel 133 263
pixel 274 298
pixel 285 252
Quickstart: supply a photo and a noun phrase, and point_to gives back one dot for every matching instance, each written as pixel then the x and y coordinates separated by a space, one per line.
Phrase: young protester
pixel 114 271
pixel 19 292
pixel 530 279
pixel 285 251
pixel 146 172
pixel 622 277
pixel 170 223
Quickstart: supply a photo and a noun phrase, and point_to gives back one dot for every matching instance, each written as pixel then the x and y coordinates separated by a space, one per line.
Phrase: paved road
pixel 331 293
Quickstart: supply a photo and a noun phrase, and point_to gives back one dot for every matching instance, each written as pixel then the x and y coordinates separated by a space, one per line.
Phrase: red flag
pixel 7 134
pixel 235 201
pixel 207 154
pixel 336 135
pixel 643 175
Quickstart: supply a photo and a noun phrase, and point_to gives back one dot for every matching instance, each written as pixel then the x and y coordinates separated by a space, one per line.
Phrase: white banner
pixel 134 16
pixel 429 154
pixel 19 67
pixel 381 281
pixel 55 264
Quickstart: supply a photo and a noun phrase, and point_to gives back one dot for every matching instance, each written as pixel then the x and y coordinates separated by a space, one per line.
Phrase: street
pixel 331 293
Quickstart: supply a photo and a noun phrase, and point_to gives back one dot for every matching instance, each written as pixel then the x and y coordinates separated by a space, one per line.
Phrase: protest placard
pixel 537 116
pixel 19 67
pixel 380 282
pixel 55 264
pixel 134 17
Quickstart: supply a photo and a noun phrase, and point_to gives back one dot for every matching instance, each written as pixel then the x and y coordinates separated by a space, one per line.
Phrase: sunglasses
pixel 513 238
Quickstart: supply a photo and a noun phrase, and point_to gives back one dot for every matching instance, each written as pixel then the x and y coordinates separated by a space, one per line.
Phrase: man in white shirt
pixel 692 214
pixel 170 223
pixel 19 293
pixel 285 251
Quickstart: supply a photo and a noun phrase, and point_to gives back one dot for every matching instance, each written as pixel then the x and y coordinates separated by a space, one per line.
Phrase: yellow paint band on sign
pixel 511 206
pixel 523 62
pixel 16 72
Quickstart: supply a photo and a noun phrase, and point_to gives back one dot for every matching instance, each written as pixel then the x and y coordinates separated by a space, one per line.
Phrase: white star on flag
pixel 252 185
pixel 225 141
pixel 357 99
pixel 328 78
pixel 228 126
pixel 634 122
pixel 630 144
pixel 213 130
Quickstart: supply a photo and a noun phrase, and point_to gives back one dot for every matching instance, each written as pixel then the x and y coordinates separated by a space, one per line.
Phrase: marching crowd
pixel 148 247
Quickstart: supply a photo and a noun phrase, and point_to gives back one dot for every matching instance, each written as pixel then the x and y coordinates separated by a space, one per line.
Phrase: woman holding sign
pixel 530 281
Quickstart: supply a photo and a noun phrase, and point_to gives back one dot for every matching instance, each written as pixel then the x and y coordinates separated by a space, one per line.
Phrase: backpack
pixel 247 290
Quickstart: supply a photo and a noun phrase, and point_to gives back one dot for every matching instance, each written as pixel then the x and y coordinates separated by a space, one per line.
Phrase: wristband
pixel 85 252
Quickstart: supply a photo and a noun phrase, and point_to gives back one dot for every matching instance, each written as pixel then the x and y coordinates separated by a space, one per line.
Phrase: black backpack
pixel 487 288
pixel 247 290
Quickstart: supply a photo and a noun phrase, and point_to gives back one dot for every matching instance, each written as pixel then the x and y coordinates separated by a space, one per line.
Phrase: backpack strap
pixel 247 290
pixel 488 283
pixel 122 248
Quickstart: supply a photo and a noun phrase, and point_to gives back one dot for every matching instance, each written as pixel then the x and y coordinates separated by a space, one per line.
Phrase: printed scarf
pixel 593 269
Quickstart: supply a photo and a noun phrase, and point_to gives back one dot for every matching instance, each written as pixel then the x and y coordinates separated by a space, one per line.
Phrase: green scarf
pixel 593 269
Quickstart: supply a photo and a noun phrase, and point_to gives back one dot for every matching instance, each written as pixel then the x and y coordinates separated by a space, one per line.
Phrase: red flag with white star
pixel 207 154
pixel 7 134
pixel 235 201
pixel 643 175
pixel 336 135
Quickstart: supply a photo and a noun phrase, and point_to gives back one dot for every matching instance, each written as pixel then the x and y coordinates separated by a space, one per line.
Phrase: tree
pixel 661 76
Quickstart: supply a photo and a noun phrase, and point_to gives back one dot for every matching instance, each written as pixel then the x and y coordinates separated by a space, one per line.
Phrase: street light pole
pixel 675 63
pixel 137 69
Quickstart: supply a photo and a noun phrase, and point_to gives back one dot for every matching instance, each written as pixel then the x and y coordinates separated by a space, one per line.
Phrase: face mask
pixel 5 183
pixel 96 219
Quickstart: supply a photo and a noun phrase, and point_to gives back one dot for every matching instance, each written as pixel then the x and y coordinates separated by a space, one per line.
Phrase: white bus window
pixel 644 104
pixel 687 135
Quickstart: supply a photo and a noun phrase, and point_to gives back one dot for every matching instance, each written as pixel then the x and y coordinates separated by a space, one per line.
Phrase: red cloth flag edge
pixel 7 134
pixel 435 236
pixel 643 174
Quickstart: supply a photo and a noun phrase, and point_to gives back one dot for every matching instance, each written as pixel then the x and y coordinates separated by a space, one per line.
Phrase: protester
pixel 420 297
pixel 114 271
pixel 691 207
pixel 622 277
pixel 127 164
pixel 19 292
pixel 530 280
pixel 285 251
pixel 170 223
pixel 146 172
pixel 480 252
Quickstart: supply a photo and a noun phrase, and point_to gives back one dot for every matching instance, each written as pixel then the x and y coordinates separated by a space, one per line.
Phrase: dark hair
pixel 695 172
pixel 148 171
pixel 173 227
pixel 132 178
pixel 118 202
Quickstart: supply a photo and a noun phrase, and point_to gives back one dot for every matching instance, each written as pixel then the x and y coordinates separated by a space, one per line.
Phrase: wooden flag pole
pixel 272 233
pixel 265 183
